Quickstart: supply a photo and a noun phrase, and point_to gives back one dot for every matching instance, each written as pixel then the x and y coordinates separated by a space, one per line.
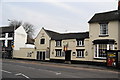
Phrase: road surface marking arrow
pixel 18 74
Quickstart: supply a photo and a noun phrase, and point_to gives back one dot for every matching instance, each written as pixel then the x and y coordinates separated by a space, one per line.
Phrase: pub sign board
pixel 113 58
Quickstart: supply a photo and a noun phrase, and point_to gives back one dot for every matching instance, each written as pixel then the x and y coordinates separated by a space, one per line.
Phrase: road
pixel 35 70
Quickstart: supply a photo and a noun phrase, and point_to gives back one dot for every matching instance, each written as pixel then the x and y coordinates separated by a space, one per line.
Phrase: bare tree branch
pixel 15 23
pixel 29 28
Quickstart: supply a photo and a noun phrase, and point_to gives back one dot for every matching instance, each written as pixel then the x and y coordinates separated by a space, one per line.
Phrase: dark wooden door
pixel 43 56
pixel 68 55
pixel 38 55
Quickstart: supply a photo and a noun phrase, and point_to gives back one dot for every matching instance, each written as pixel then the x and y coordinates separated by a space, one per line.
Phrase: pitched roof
pixel 30 40
pixel 105 17
pixel 7 29
pixel 61 36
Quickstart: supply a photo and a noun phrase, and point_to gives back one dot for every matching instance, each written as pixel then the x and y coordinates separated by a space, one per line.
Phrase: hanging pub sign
pixel 112 58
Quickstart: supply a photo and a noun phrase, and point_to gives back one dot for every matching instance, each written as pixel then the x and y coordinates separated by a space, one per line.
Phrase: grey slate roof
pixel 61 36
pixel 105 17
pixel 7 29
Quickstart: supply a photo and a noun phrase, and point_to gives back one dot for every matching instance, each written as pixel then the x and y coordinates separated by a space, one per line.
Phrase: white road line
pixel 57 73
pixel 22 75
pixel 6 71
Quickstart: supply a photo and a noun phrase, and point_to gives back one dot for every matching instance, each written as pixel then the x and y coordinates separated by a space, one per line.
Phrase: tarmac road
pixel 21 69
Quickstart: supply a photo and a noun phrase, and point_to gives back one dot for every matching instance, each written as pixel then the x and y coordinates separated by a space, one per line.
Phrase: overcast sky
pixel 56 15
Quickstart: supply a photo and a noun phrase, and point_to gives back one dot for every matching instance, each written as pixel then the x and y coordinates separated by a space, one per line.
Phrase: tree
pixel 15 23
pixel 29 28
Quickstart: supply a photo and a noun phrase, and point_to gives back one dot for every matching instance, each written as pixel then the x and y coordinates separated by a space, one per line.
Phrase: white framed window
pixel 80 42
pixel 2 35
pixel 103 29
pixel 99 50
pixel 80 53
pixel 58 53
pixel 58 43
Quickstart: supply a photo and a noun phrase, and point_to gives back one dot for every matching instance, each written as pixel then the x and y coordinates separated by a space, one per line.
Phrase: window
pixel 80 53
pixel 100 50
pixel 103 29
pixel 3 43
pixel 58 43
pixel 80 42
pixel 2 35
pixel 9 43
pixel 59 53
pixel 42 41
pixel 10 35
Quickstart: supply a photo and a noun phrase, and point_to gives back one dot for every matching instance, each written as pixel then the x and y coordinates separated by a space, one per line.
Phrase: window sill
pixel 80 46
pixel 104 35
pixel 58 46
pixel 100 58
pixel 80 57
pixel 59 56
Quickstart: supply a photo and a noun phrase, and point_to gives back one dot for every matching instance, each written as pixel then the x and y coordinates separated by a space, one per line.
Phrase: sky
pixel 56 15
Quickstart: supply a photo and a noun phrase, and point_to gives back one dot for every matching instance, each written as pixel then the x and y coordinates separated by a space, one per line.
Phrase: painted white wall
pixel 20 38
pixel 29 46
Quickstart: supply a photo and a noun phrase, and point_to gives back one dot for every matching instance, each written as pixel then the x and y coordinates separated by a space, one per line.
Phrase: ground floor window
pixel 99 50
pixel 80 53
pixel 41 55
pixel 59 53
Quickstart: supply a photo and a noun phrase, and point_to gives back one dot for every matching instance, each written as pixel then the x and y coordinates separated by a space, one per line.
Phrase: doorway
pixel 68 55
pixel 40 55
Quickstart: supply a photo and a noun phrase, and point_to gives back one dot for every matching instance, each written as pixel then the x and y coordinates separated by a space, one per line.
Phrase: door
pixel 40 55
pixel 68 55
pixel 43 56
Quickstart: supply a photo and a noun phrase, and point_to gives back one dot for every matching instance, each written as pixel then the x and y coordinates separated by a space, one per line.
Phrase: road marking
pixel 18 74
pixel 78 68
pixel 6 71
pixel 57 73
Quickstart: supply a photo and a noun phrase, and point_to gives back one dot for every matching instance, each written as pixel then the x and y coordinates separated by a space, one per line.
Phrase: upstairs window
pixel 2 35
pixel 10 35
pixel 42 41
pixel 80 42
pixel 58 43
pixel 103 29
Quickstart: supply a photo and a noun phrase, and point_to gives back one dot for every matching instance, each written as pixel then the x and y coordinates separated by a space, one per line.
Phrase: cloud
pixel 29 15
pixel 37 18
pixel 67 7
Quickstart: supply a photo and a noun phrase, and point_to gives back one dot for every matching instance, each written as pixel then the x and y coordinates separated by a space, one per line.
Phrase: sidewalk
pixel 81 66
pixel 85 66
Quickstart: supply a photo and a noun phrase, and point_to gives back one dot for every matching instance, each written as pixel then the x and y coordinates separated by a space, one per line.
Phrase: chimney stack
pixel 118 4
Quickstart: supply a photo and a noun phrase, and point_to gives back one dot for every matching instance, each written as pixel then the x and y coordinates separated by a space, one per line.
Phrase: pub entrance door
pixel 68 55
